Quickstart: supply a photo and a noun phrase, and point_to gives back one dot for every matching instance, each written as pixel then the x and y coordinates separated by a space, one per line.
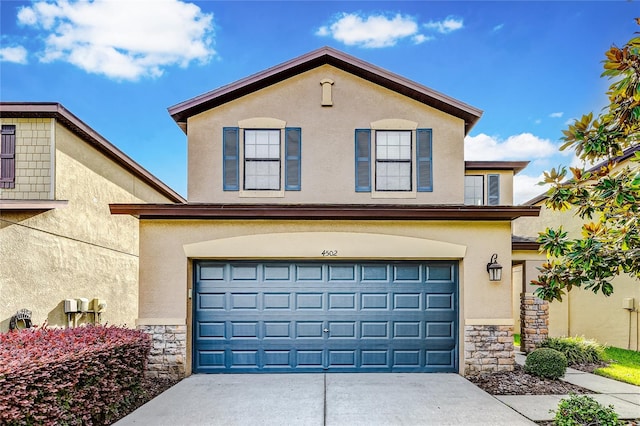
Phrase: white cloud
pixel 498 27
pixel 372 31
pixel 556 114
pixel 16 54
pixel 524 146
pixel 446 26
pixel 122 39
pixel 537 121
pixel 526 187
pixel 421 38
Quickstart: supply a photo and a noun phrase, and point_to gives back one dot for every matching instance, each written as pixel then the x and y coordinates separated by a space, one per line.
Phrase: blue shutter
pixel 424 165
pixel 493 190
pixel 363 160
pixel 293 158
pixel 230 159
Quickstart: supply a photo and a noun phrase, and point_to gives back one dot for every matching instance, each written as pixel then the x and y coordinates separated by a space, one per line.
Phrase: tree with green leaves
pixel 606 198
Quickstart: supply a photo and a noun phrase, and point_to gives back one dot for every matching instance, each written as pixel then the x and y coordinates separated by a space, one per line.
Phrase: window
pixel 7 157
pixel 396 158
pixel 393 161
pixel 262 159
pixel 474 190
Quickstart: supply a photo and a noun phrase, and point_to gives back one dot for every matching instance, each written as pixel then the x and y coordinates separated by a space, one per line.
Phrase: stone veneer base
pixel 168 351
pixel 534 320
pixel 488 349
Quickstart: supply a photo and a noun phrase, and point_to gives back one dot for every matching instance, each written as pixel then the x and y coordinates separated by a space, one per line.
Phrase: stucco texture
pixel 79 250
pixel 164 273
pixel 327 139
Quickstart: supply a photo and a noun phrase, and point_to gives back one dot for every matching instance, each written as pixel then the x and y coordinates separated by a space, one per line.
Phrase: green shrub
pixel 584 410
pixel 546 362
pixel 578 350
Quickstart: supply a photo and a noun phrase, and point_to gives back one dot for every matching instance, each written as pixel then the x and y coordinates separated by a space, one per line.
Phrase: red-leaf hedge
pixel 73 376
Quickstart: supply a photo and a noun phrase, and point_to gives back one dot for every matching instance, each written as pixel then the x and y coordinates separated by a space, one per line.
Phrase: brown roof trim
pixel 325 55
pixel 32 205
pixel 516 166
pixel 524 243
pixel 628 153
pixel 86 133
pixel 324 211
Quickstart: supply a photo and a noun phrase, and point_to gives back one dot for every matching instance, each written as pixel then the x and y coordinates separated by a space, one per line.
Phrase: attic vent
pixel 326 92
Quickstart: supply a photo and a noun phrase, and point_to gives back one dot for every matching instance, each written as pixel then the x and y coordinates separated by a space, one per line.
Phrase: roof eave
pixel 516 166
pixel 326 55
pixel 324 212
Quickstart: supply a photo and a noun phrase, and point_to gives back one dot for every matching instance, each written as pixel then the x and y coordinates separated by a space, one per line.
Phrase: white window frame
pixel 260 123
pixel 394 125
pixel 259 154
pixel 475 187
pixel 394 154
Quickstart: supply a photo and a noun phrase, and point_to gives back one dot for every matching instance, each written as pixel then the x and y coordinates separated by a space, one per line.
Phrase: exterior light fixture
pixel 494 269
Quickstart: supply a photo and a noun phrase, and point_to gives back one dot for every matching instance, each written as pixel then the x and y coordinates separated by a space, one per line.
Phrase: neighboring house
pixel 58 239
pixel 610 320
pixel 327 230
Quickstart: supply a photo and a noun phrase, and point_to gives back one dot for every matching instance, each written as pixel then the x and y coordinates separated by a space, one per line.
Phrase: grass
pixel 624 367
pixel 516 339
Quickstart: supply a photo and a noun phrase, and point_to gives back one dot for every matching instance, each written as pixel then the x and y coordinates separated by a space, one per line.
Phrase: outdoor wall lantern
pixel 494 269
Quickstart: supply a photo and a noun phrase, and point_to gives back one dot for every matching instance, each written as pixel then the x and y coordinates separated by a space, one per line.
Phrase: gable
pixel 325 56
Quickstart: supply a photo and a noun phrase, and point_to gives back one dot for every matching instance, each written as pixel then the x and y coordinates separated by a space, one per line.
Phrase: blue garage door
pixel 325 317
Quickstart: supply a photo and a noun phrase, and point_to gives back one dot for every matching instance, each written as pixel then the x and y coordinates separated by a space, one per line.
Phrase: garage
pixel 271 317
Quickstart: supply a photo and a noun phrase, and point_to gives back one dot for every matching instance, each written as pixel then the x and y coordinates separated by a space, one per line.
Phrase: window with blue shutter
pixel 230 159
pixel 424 165
pixel 363 160
pixel 493 190
pixel 293 158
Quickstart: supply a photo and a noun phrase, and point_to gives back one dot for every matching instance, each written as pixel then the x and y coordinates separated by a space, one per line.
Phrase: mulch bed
pixel 518 382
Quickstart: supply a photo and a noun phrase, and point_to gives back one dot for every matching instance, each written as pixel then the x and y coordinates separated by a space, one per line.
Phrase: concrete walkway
pixel 624 397
pixel 325 399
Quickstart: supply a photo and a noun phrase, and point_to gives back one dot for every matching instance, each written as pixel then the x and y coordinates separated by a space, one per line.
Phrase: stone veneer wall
pixel 534 320
pixel 168 351
pixel 488 349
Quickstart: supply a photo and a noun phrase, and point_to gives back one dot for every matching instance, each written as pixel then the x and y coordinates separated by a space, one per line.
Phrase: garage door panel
pixel 277 301
pixel 411 301
pixel 377 301
pixel 374 330
pixel 310 301
pixel 373 273
pixel 407 273
pixel 342 273
pixel 308 330
pixel 341 301
pixel 308 317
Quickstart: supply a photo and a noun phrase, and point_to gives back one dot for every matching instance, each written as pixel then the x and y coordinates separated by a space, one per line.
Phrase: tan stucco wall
pixel 34 142
pixel 327 139
pixel 582 312
pixel 165 274
pixel 80 250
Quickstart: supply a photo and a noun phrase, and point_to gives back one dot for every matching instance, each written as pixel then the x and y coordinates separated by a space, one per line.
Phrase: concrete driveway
pixel 325 399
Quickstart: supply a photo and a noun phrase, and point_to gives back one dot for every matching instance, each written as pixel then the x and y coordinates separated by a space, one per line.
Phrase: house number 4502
pixel 329 253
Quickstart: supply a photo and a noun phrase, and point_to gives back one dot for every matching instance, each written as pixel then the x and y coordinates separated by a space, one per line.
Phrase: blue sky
pixel 119 64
